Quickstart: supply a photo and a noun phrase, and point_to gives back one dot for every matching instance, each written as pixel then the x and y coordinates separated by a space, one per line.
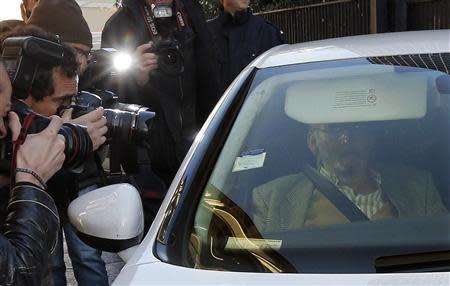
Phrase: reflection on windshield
pixel 234 240
pixel 365 145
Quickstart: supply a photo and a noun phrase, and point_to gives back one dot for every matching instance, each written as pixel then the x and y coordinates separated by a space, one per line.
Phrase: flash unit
pixel 122 61
pixel 162 11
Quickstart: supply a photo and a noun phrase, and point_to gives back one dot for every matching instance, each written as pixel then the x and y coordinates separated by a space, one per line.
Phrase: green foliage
pixel 210 8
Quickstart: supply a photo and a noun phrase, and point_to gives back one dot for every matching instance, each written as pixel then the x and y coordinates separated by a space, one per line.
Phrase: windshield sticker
pixel 355 98
pixel 251 159
pixel 252 243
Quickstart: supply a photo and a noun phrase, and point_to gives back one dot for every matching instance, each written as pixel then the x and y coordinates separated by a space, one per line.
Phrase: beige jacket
pixel 292 202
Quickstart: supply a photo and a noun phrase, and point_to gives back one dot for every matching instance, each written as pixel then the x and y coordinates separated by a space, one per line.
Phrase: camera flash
pixel 122 61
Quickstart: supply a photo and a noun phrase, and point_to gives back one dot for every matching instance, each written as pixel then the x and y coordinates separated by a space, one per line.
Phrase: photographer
pixel 29 232
pixel 176 76
pixel 65 19
pixel 54 86
pixel 51 93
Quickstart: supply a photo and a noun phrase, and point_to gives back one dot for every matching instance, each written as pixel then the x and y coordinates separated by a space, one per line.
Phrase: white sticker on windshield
pixel 249 160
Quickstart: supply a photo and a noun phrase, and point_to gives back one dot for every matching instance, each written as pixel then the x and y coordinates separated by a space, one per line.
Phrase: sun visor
pixel 366 96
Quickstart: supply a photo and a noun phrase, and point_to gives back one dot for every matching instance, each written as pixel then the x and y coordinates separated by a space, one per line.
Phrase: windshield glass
pixel 333 167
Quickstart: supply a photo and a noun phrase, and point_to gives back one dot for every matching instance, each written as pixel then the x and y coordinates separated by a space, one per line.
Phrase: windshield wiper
pixel 417 262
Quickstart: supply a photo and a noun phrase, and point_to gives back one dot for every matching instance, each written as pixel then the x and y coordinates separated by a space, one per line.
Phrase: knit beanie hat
pixel 64 18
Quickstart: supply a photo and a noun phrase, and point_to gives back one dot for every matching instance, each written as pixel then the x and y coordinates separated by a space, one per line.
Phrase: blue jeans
pixel 88 265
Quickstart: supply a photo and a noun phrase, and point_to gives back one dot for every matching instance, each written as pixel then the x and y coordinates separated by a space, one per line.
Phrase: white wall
pixel 96 13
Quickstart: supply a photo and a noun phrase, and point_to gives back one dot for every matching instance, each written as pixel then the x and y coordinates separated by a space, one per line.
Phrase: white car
pixel 324 163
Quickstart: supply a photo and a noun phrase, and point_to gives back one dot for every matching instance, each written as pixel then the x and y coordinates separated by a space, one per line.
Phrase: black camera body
pixel 100 72
pixel 22 56
pixel 170 58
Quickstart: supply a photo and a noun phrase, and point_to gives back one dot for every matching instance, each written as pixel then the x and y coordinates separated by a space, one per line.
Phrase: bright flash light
pixel 122 61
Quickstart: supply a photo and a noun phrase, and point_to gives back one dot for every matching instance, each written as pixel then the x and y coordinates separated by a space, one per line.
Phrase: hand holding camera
pixel 147 62
pixel 95 123
pixel 41 153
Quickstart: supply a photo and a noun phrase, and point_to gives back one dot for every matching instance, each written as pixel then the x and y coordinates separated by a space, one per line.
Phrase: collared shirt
pixel 369 203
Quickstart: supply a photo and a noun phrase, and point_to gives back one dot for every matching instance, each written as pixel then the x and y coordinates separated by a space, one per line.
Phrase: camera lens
pixel 119 123
pixel 171 57
pixel 127 125
pixel 78 145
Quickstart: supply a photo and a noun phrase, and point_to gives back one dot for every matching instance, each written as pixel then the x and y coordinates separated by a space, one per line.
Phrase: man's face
pixel 83 54
pixel 5 99
pixel 65 89
pixel 343 148
pixel 235 5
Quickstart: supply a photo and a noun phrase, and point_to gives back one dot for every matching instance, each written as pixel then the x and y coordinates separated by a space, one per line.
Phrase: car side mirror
pixel 109 218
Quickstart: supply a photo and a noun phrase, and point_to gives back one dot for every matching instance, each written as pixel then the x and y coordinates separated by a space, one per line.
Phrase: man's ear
pixel 312 142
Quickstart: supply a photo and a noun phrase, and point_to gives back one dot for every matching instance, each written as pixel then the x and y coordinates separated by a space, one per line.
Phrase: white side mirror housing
pixel 109 218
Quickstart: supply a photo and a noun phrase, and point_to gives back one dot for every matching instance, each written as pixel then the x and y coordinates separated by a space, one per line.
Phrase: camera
pixel 170 58
pixel 125 122
pixel 104 68
pixel 78 144
pixel 107 64
pixel 22 57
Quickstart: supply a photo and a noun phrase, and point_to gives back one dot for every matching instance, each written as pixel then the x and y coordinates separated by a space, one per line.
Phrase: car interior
pixel 410 121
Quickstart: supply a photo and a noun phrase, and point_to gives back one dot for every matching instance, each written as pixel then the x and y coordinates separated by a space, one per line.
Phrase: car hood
pixel 159 273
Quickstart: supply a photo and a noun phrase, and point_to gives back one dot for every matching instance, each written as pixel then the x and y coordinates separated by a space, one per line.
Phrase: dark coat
pixel 240 39
pixel 180 111
pixel 28 237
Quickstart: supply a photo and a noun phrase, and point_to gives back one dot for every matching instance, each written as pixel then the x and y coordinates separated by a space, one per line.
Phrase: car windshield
pixel 331 167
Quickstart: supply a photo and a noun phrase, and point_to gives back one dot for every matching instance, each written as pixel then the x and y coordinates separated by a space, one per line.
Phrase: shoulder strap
pixel 336 197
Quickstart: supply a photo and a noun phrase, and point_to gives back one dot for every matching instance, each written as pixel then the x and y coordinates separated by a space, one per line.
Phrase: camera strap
pixel 332 193
pixel 16 145
pixel 180 14
pixel 149 21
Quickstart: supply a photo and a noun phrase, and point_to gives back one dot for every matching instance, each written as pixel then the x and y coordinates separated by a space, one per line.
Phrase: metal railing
pixel 315 20
pixel 427 15
pixel 322 20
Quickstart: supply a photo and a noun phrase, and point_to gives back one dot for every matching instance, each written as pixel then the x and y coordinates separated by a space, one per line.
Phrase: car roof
pixel 373 45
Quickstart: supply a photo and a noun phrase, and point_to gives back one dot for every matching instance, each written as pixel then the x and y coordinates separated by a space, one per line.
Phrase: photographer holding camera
pixel 176 76
pixel 30 227
pixel 65 19
pixel 51 93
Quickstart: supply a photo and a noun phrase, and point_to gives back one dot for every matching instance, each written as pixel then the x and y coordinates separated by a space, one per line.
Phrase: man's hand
pixel 95 123
pixel 42 153
pixel 146 61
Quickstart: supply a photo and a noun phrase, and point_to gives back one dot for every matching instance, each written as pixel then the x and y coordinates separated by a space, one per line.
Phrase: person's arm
pixel 29 234
pixel 28 237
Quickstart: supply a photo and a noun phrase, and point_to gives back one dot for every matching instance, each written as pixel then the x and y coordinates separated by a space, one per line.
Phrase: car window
pixel 330 158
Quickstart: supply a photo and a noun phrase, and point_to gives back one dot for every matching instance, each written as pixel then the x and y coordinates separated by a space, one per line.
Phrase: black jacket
pixel 28 237
pixel 180 111
pixel 240 39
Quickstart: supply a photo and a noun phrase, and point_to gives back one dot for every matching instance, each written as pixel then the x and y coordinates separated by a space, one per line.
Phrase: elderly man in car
pixel 343 163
